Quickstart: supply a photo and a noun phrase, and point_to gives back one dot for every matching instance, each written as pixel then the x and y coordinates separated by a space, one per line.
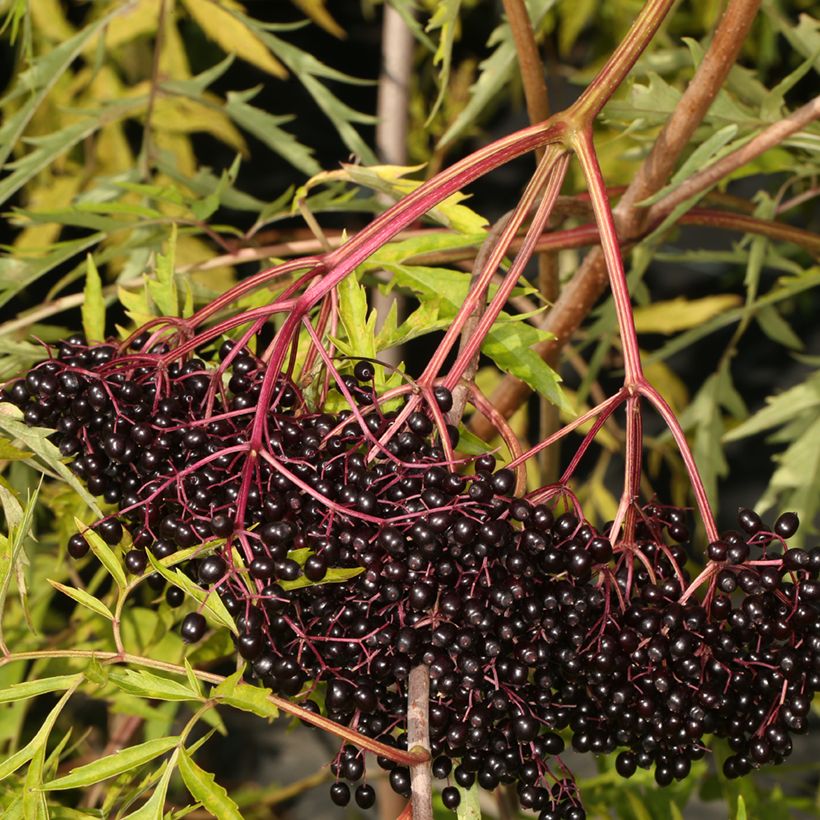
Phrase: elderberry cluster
pixel 367 560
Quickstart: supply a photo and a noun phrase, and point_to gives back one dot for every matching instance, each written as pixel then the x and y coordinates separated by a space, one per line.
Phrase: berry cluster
pixel 362 560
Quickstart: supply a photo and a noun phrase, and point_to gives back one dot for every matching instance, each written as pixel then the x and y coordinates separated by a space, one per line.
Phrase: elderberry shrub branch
pixel 354 547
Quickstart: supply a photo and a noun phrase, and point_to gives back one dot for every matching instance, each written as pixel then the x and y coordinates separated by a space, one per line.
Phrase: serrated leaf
pixel 674 315
pixel 212 607
pixel 204 789
pixel 83 598
pixel 125 760
pixel 392 180
pixel 777 328
pixel 796 481
pixel 150 685
pixel 93 307
pixel 193 681
pixel 443 20
pixel 360 330
pixel 15 761
pixel 265 127
pixel 163 286
pixel 509 344
pixel 495 71
pixel 33 688
pixel 39 78
pixel 35 438
pixel 231 34
pixel 307 69
pixel 800 400
pixel 235 692
pixel 104 553
pixel 154 807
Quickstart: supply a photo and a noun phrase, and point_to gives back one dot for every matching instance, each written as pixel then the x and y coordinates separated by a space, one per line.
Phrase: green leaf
pixel 35 438
pixel 741 808
pixel 307 69
pixel 204 789
pixel 13 762
pixel 777 328
pixel 111 765
pixel 33 688
pixel 359 329
pixel 495 72
pixel 444 20
pixel 509 344
pixel 265 127
pixel 17 273
pixel 83 598
pixel 93 307
pixel 154 807
pixel 469 807
pixel 335 575
pixel 241 695
pixel 105 555
pixel 163 287
pixel 149 685
pixel 801 400
pixel 212 607
pixel 8 452
pixel 796 482
pixel 39 78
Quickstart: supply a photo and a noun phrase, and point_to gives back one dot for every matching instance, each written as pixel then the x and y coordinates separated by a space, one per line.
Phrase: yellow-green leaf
pixel 83 598
pixel 33 688
pixel 149 685
pixel 232 35
pixel 203 788
pixel 111 765
pixel 212 607
pixel 316 10
pixel 678 314
pixel 240 695
pixel 104 554
pixel 93 307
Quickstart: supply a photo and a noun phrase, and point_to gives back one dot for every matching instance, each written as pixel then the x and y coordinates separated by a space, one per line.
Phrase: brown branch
pixel 766 139
pixel 589 282
pixel 418 740
pixel 529 60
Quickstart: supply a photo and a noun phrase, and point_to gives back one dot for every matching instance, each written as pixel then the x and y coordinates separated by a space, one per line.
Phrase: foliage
pixel 115 216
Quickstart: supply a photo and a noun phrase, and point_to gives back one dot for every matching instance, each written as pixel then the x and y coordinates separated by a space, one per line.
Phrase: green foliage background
pixel 113 216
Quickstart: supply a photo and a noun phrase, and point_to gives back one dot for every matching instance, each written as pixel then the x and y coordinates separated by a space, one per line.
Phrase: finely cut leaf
pixel 93 307
pixel 230 33
pixel 240 695
pixel 203 788
pixel 104 553
pixel 111 765
pixel 149 685
pixel 212 607
pixel 15 761
pixel 154 807
pixel 33 688
pixel 83 598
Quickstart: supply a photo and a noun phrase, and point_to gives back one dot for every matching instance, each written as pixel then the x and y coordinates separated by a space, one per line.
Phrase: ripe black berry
pixel 193 627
